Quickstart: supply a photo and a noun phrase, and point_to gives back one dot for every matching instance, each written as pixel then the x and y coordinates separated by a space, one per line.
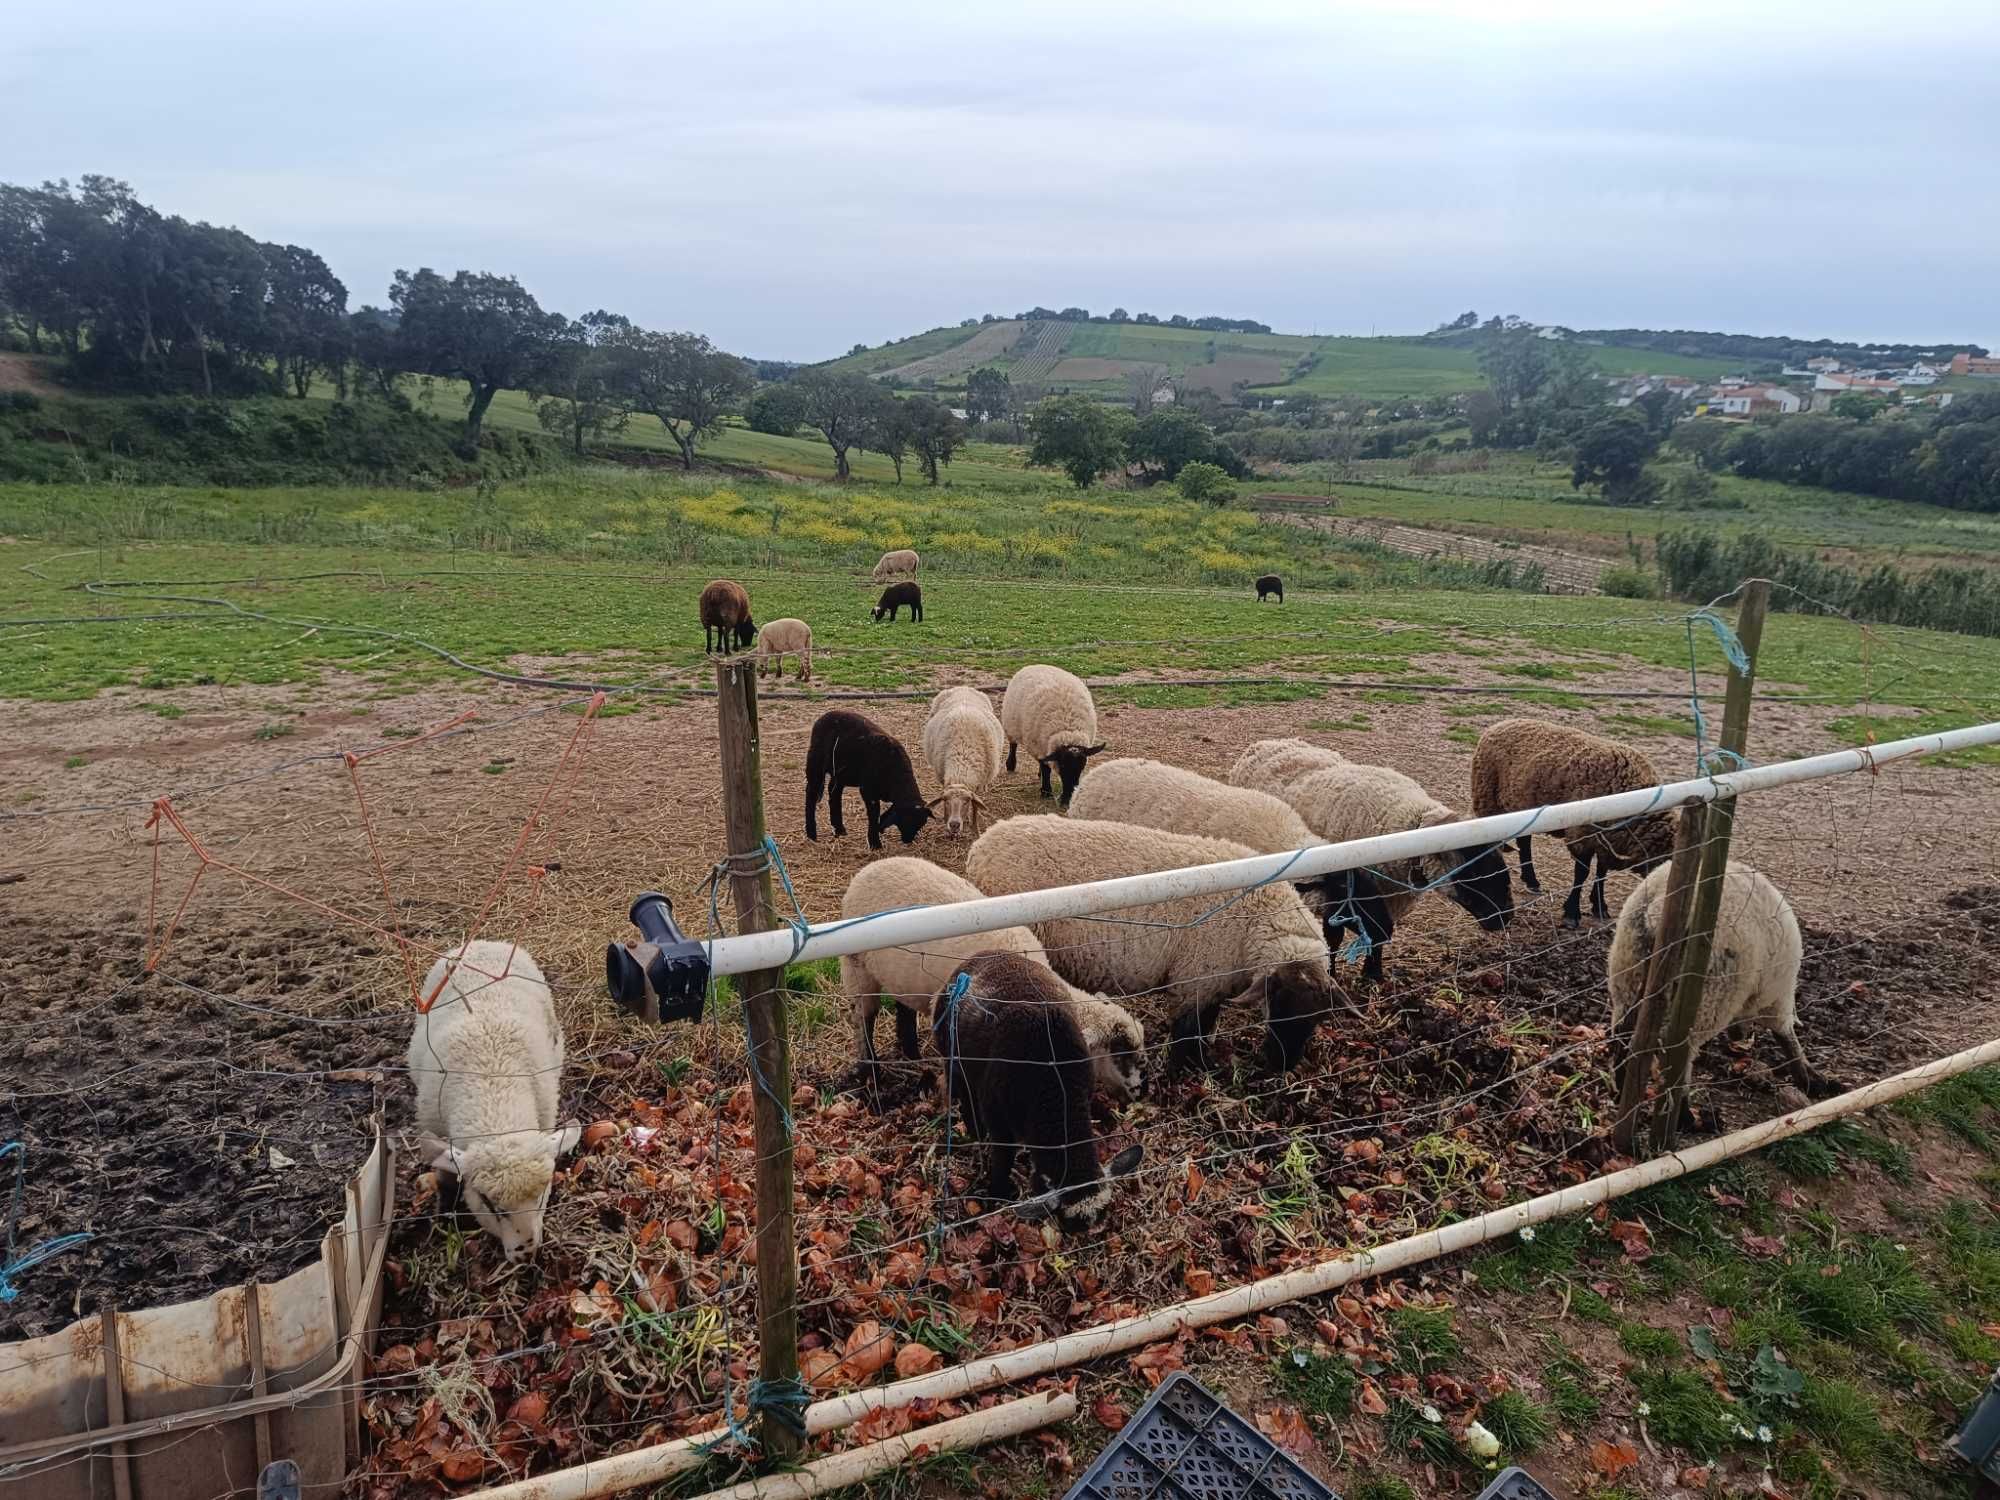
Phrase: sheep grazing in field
pixel 725 612
pixel 1051 712
pixel 894 597
pixel 486 1060
pixel 1018 1068
pixel 902 560
pixel 909 977
pixel 962 740
pixel 778 638
pixel 1265 949
pixel 1152 794
pixel 1520 764
pixel 1753 969
pixel 1341 799
pixel 849 750
pixel 1270 583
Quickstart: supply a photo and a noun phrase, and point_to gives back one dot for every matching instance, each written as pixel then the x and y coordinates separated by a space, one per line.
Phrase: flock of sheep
pixel 1031 1022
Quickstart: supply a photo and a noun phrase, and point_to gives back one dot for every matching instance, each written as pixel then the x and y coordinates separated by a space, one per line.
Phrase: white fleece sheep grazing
pixel 962 741
pixel 486 1060
pixel 891 564
pixel 1265 948
pixel 1753 969
pixel 1050 712
pixel 1342 799
pixel 779 637
pixel 911 977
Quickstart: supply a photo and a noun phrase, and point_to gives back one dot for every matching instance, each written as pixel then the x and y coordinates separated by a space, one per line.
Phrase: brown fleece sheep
pixel 1520 764
pixel 725 610
pixel 852 750
pixel 894 597
pixel 1270 583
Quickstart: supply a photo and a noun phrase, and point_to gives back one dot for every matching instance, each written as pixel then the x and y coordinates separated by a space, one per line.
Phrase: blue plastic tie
pixel 1725 637
pixel 10 1265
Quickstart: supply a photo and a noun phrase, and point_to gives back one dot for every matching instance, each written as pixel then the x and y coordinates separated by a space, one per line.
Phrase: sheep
pixel 1049 710
pixel 1342 799
pixel 725 608
pixel 1266 943
pixel 1753 969
pixel 1152 794
pixel 486 1060
pixel 780 636
pixel 1018 1069
pixel 894 597
pixel 909 977
pixel 902 560
pixel 962 740
pixel 1270 583
pixel 1526 763
pixel 852 750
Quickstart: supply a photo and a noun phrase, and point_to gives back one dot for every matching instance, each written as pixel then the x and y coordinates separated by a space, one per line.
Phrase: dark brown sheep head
pixel 907 818
pixel 1068 761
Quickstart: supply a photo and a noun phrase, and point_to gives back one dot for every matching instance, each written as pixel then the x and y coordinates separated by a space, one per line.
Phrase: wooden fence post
pixel 763 995
pixel 1678 1042
pixel 1662 969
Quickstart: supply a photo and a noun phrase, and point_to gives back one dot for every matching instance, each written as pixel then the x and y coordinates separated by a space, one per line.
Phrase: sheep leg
pixel 1188 1046
pixel 1598 910
pixel 1000 1172
pixel 874 811
pixel 1526 845
pixel 1573 904
pixel 1814 1083
pixel 1371 967
pixel 1046 792
pixel 1011 747
pixel 906 1032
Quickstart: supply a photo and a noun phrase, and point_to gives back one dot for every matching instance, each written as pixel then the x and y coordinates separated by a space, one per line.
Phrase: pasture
pixel 295 625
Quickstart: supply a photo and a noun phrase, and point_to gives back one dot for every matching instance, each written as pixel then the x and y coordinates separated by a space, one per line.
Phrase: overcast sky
pixel 794 180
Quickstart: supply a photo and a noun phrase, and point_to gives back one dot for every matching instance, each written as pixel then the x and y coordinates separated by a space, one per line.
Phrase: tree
pixel 1166 441
pixel 1612 452
pixel 1206 483
pixel 1145 381
pixel 839 406
pixel 582 392
pixel 1079 436
pixel 935 434
pixel 1482 415
pixel 683 380
pixel 1022 400
pixel 374 345
pixel 1074 315
pixel 776 409
pixel 307 315
pixel 888 430
pixel 1118 315
pixel 988 396
pixel 483 329
pixel 1859 406
pixel 1515 363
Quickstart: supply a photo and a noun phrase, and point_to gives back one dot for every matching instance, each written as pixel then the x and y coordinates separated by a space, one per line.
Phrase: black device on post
pixel 664 977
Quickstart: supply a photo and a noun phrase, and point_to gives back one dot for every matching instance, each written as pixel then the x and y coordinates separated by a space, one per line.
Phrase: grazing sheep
pixel 1152 794
pixel 1520 764
pixel 1270 583
pixel 1018 1068
pixel 1342 799
pixel 780 636
pixel 962 740
pixel 486 1060
pixel 725 610
pixel 1050 711
pixel 909 977
pixel 894 597
pixel 854 751
pixel 1753 969
pixel 1264 949
pixel 902 560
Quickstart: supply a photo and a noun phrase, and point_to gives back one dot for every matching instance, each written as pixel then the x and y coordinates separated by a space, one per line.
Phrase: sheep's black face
pixel 1297 997
pixel 907 819
pixel 1483 887
pixel 745 630
pixel 1069 761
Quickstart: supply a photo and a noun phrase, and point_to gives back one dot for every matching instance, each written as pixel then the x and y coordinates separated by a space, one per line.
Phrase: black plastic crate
pixel 1515 1484
pixel 1183 1444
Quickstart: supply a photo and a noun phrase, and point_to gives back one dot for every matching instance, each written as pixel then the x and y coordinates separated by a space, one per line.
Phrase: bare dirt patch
pixel 27 372
pixel 1227 371
pixel 991 342
pixel 1082 367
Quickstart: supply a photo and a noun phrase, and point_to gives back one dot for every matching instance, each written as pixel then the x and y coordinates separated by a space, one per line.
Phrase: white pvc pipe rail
pixel 769 950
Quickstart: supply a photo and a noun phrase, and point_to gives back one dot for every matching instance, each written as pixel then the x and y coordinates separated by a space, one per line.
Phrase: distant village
pixel 1815 386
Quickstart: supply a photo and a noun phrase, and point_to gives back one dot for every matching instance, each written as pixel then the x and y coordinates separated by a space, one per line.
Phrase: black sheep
pixel 857 752
pixel 895 596
pixel 1020 1075
pixel 1270 583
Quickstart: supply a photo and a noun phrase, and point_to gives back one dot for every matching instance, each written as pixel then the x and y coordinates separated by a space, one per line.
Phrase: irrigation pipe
pixel 929 924
pixel 651 1465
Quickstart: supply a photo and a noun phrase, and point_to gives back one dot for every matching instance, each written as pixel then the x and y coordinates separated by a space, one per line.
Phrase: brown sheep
pixel 894 597
pixel 725 609
pixel 1520 764
pixel 1270 583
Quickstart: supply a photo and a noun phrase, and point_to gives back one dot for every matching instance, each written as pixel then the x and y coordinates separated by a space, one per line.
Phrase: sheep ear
pixel 1097 749
pixel 931 806
pixel 1126 1162
pixel 565 1139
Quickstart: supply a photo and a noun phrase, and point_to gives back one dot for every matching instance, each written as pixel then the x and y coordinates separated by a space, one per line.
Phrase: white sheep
pixel 1051 712
pixel 1264 948
pixel 910 977
pixel 902 560
pixel 780 636
pixel 962 741
pixel 486 1060
pixel 1753 968
pixel 1342 799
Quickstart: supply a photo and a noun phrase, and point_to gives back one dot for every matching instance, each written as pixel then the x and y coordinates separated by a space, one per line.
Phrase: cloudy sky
pixel 793 180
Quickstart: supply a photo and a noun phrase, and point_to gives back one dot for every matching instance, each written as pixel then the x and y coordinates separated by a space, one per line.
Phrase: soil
pixel 27 372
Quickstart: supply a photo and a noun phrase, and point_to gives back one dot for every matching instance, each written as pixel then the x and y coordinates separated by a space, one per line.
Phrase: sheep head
pixel 907 818
pixel 746 629
pixel 1117 1049
pixel 1068 761
pixel 962 808
pixel 1077 1209
pixel 1481 884
pixel 505 1181
pixel 1296 996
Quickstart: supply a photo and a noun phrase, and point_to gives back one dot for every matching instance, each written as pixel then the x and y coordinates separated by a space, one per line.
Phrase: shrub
pixel 1629 583
pixel 1206 483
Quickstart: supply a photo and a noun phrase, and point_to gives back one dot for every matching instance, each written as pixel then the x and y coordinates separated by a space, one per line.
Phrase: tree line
pixel 1467 330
